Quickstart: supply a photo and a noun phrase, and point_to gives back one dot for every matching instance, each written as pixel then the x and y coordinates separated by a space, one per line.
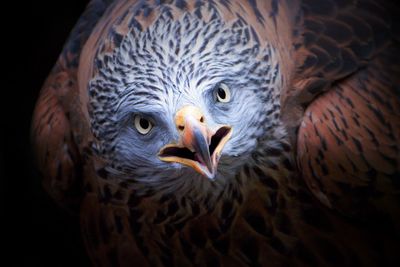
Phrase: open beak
pixel 199 147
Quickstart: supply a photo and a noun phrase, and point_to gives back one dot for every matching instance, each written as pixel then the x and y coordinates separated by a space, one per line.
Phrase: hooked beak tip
pixel 199 147
pixel 203 159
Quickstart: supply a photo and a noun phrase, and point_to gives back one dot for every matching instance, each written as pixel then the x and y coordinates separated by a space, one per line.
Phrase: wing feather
pixel 337 38
pixel 349 143
pixel 55 136
pixel 343 105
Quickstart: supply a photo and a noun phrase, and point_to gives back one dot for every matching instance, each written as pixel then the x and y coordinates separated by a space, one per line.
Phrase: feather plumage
pixel 316 182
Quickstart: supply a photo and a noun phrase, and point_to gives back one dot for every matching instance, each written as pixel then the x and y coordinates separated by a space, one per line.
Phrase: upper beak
pixel 199 147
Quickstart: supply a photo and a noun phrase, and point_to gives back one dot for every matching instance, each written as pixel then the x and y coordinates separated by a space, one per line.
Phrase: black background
pixel 36 232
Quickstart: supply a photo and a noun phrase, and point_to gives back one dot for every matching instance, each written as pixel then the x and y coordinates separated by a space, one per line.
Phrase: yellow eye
pixel 142 125
pixel 223 94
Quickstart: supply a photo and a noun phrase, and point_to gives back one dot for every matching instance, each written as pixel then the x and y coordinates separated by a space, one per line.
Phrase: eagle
pixel 227 132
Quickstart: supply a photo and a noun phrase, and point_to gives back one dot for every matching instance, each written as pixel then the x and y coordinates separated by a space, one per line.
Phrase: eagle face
pixel 182 102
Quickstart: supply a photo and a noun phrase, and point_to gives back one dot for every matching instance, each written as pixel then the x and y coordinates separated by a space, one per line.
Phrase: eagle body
pixel 228 133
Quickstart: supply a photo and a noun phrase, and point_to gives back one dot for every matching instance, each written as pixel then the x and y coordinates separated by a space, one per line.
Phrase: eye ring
pixel 222 93
pixel 142 125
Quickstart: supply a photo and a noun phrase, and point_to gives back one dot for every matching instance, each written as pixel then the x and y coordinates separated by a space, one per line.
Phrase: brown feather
pixel 338 79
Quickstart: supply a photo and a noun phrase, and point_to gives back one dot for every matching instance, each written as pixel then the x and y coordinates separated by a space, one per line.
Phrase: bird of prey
pixel 227 132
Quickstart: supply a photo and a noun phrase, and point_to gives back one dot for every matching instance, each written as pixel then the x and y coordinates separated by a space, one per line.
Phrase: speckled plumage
pixel 310 174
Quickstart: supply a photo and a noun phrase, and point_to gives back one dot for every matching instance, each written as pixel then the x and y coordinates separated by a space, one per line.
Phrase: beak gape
pixel 199 147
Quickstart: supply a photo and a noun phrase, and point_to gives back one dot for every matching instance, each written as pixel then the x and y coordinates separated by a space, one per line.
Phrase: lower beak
pixel 199 147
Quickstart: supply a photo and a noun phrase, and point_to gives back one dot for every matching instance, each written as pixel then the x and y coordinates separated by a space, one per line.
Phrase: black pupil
pixel 221 93
pixel 144 123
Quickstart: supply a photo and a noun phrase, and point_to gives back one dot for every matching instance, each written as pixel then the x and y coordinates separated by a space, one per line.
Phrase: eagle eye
pixel 222 93
pixel 142 125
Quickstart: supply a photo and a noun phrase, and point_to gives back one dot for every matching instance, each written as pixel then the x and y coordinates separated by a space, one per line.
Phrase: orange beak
pixel 199 147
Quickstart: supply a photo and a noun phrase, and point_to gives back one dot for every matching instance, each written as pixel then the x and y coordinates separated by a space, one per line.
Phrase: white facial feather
pixel 172 64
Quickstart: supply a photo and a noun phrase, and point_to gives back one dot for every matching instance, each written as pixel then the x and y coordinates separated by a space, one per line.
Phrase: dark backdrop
pixel 36 231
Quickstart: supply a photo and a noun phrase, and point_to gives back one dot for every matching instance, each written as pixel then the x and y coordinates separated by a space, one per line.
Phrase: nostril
pixel 202 119
pixel 181 127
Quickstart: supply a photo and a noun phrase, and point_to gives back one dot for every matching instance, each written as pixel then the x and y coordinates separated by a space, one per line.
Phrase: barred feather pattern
pixel 310 175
